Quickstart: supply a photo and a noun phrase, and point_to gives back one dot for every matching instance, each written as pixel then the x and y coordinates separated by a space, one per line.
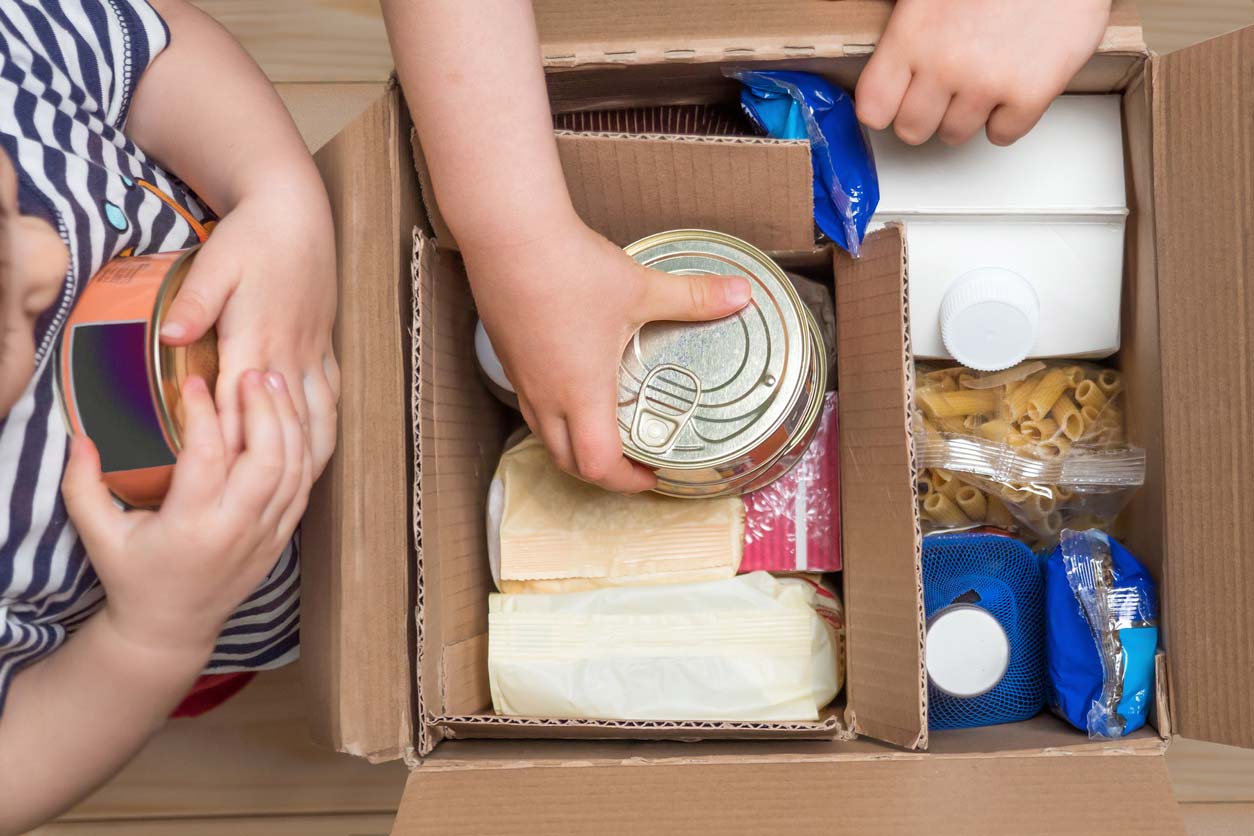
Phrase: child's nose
pixel 39 265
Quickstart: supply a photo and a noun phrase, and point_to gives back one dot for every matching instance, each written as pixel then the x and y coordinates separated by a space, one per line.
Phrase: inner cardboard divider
pixel 463 427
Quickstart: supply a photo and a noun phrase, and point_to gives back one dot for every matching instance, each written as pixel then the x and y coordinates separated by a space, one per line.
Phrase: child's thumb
pixel 200 300
pixel 86 496
pixel 671 297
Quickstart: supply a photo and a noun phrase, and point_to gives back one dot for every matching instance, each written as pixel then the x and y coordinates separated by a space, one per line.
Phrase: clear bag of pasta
pixel 1033 449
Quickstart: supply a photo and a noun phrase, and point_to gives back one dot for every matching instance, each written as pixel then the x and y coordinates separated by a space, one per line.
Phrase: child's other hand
pixel 175 575
pixel 560 311
pixel 266 277
pixel 951 68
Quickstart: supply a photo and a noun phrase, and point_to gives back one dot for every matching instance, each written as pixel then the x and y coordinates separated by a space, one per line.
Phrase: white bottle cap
pixel 966 651
pixel 989 319
pixel 488 361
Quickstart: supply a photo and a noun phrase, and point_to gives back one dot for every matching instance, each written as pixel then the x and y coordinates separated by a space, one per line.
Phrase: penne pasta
pixel 1109 382
pixel 947 384
pixel 1041 430
pixel 1055 448
pixel 944 511
pixel 998 514
pixel 1041 504
pixel 953 424
pixel 1018 398
pixel 1074 375
pixel 997 430
pixel 1067 416
pixel 1089 394
pixel 972 503
pixel 945 483
pixel 958 404
pixel 1046 393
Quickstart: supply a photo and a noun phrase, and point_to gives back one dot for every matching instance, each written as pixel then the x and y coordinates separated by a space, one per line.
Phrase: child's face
pixel 33 261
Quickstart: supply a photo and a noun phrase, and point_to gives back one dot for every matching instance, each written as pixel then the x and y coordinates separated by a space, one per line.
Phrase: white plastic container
pixel 1014 252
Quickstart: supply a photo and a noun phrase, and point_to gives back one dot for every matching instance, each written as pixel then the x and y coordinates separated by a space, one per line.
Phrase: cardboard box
pixel 396 576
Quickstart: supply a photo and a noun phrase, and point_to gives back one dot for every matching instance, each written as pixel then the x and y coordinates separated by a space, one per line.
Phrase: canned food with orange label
pixel 119 385
pixel 728 406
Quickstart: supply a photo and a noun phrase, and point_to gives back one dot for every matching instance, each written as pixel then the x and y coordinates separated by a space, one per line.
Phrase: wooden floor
pixel 249 769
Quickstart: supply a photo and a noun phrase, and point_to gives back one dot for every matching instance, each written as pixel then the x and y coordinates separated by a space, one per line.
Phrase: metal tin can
pixel 722 407
pixel 118 383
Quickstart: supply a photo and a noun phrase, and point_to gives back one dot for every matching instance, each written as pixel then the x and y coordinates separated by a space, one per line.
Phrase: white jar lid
pixel 488 361
pixel 989 319
pixel 966 651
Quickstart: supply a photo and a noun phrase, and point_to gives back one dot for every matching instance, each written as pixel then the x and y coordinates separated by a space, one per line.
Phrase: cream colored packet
pixel 549 532
pixel 753 648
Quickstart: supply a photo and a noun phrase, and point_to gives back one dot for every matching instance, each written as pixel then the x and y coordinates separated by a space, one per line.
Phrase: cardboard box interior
pixel 395 637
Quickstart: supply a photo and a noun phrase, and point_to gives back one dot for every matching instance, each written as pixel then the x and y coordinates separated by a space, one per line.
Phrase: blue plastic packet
pixel 1101 634
pixel 792 105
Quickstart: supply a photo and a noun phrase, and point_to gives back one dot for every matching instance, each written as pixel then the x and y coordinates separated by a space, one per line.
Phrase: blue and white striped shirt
pixel 68 69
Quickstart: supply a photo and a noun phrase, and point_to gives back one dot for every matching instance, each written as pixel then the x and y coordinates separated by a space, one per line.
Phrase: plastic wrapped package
pixel 1033 449
pixel 793 105
pixel 750 648
pixel 818 298
pixel 1102 634
pixel 793 524
pixel 550 532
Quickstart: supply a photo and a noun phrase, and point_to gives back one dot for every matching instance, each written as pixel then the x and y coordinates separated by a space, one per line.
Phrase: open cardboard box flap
pixel 1203 117
pixel 359 636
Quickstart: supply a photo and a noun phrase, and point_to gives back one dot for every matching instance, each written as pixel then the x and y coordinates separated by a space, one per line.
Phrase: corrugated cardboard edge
pixel 876 404
pixel 428 736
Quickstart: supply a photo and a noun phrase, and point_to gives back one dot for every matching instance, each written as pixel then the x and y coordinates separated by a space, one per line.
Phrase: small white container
pixel 1013 252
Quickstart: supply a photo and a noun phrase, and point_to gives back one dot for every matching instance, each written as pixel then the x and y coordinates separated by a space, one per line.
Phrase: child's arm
pixel 205 112
pixel 951 68
pixel 559 301
pixel 172 578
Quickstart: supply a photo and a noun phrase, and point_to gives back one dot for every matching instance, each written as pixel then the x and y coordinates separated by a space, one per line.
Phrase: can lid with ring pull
pixel 697 395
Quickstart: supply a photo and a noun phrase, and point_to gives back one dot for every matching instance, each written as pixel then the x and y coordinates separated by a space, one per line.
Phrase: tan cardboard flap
pixel 627 187
pixel 577 32
pixel 881 545
pixel 356 583
pixel 1075 794
pixel 1204 198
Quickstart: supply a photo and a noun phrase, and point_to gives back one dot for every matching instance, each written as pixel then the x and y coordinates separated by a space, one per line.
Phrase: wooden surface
pixel 249 767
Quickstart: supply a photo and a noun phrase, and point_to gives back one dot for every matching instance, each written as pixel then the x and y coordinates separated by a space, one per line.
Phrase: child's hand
pixel 952 68
pixel 266 277
pixel 560 311
pixel 174 576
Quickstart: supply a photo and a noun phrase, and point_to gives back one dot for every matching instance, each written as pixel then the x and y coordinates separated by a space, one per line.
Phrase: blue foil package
pixel 792 105
pixel 1101 634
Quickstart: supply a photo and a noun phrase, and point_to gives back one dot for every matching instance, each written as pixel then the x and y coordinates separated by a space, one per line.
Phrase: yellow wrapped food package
pixel 753 648
pixel 549 532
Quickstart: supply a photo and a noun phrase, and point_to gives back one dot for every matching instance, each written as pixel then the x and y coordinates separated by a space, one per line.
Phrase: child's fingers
pixel 213 276
pixel 258 470
pixel 967 113
pixel 227 397
pixel 1009 122
pixel 598 449
pixel 881 88
pixel 295 449
pixel 296 506
pixel 552 431
pixel 200 472
pixel 676 298
pixel 99 521
pixel 921 111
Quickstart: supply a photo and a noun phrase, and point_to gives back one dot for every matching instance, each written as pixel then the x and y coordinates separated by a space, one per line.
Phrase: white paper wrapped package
pixel 549 532
pixel 752 648
pixel 1013 252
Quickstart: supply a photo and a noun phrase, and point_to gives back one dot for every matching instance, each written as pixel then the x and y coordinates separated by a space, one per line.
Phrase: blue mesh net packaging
pixel 983 671
pixel 1102 634
pixel 792 105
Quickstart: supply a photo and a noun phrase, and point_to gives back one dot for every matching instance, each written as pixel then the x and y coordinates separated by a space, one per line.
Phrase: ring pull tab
pixel 668 399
